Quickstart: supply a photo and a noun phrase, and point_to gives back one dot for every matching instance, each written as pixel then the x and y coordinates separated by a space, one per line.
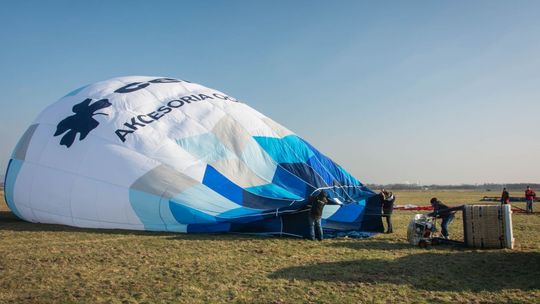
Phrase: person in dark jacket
pixel 505 197
pixel 388 200
pixel 315 214
pixel 440 211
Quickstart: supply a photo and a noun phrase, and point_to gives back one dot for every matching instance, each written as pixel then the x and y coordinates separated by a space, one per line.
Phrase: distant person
pixel 530 196
pixel 505 197
pixel 315 214
pixel 388 200
pixel 440 211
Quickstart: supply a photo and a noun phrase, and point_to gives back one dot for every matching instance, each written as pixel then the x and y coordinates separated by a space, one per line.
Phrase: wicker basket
pixel 488 226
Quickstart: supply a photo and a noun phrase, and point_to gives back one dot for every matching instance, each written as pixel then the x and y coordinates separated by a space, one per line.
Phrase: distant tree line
pixel 482 187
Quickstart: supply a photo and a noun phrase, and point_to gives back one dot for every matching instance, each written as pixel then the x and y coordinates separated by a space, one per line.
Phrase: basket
pixel 488 226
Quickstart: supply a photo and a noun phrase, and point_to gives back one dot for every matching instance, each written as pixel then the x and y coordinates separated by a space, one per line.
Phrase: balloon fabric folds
pixel 163 154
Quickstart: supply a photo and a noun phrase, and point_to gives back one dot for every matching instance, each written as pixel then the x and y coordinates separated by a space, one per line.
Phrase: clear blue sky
pixel 428 91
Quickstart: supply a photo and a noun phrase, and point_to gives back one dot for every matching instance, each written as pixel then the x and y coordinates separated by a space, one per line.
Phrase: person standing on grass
pixel 388 200
pixel 440 211
pixel 505 197
pixel 530 196
pixel 315 215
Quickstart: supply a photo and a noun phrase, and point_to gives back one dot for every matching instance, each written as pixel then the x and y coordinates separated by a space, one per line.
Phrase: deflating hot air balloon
pixel 163 154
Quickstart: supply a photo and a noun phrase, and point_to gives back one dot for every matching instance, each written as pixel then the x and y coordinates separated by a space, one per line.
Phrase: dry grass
pixel 56 264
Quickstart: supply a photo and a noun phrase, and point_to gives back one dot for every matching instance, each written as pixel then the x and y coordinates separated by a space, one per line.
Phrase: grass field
pixel 56 264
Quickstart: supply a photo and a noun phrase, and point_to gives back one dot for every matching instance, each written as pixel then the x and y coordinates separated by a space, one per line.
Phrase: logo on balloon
pixel 82 122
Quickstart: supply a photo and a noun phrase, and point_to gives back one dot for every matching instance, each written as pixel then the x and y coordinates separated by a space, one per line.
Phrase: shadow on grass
pixel 460 271
pixel 9 222
pixel 399 244
pixel 373 244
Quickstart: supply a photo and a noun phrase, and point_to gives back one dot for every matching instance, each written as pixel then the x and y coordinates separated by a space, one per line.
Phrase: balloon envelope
pixel 163 154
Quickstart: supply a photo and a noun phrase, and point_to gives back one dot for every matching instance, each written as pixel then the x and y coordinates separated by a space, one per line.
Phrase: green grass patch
pixel 56 264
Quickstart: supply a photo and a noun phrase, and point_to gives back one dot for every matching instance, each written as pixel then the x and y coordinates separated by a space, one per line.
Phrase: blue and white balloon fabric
pixel 163 154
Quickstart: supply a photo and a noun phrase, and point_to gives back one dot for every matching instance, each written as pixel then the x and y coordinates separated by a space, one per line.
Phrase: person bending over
pixel 440 211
